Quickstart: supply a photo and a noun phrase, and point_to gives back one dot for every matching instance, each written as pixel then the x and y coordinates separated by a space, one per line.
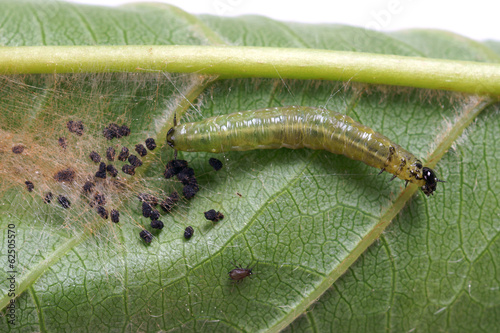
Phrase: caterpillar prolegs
pixel 297 127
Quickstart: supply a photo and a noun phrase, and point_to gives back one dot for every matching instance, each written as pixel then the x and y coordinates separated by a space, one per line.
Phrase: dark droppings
pixel 95 157
pixel 169 173
pixel 115 131
pixel 157 224
pixel 189 191
pixel 66 175
pixel 75 127
pixel 215 163
pixel 149 198
pixel 99 199
pixel 210 215
pixel 128 169
pixel 123 154
pixel 102 171
pixel 188 233
pixel 115 128
pixel 65 203
pixel 135 161
pixel 102 212
pixel 146 209
pixel 108 134
pixel 169 202
pixel 111 132
pixel 146 236
pixel 113 172
pixel 173 197
pixel 29 186
pixel 173 167
pixel 166 206
pixel 155 215
pixel 48 197
pixel 124 131
pixel 214 216
pixel 62 142
pixel 110 154
pixel 115 216
pixel 178 164
pixel 141 150
pixel 150 143
pixel 88 187
pixel 186 176
pixel 18 149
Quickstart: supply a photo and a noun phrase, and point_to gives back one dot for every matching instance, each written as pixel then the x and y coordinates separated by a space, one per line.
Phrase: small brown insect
pixel 239 273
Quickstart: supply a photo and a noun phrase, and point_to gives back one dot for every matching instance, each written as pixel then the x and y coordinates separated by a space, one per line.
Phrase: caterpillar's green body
pixel 301 127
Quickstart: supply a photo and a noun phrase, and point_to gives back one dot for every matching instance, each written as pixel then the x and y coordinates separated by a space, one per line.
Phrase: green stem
pixel 263 62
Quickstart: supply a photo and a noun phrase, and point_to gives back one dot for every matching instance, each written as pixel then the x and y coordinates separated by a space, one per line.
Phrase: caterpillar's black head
pixel 430 181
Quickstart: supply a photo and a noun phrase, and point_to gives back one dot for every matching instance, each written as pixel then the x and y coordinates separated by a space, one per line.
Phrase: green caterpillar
pixel 297 127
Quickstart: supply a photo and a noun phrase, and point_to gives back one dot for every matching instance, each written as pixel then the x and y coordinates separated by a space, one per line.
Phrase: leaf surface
pixel 303 217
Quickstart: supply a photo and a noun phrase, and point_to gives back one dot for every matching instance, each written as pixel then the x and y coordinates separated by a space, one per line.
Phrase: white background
pixel 478 19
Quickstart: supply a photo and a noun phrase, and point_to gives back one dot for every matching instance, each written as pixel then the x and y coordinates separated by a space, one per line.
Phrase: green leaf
pixel 303 217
